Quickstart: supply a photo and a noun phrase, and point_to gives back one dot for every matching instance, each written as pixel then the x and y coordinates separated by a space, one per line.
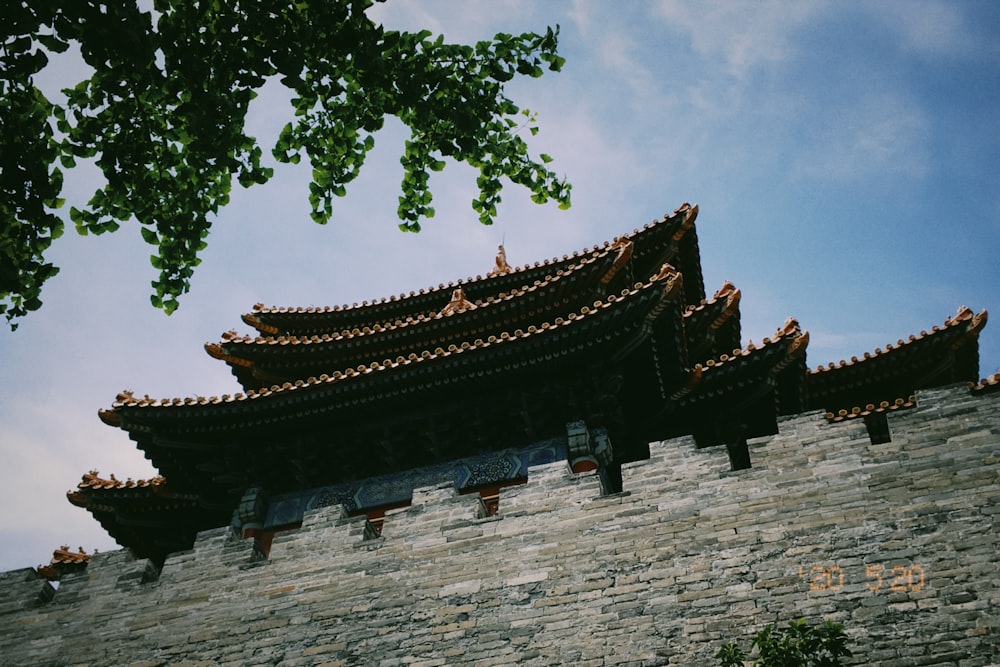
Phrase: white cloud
pixel 927 27
pixel 876 133
pixel 460 22
pixel 743 34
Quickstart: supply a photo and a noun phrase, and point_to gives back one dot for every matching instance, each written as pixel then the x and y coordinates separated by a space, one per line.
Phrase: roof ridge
pixel 93 480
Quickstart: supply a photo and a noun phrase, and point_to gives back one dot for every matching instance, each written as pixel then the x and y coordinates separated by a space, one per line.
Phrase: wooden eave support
pixel 739 454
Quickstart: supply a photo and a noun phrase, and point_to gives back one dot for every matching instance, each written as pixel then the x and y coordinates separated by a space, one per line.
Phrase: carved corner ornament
pixel 458 303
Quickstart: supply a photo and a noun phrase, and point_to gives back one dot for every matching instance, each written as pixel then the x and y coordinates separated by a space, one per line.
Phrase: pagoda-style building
pixel 587 359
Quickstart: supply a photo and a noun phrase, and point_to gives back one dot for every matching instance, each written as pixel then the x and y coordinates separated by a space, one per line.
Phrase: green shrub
pixel 798 645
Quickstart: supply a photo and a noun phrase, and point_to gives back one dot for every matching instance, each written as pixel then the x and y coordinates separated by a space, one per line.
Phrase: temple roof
pixel 443 404
pixel 620 337
pixel 264 360
pixel 669 239
pixel 737 387
pixel 64 561
pixel 146 515
pixel 712 327
pixel 944 355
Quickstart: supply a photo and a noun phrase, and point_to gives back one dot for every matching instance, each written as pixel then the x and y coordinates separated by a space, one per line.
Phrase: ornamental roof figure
pixel 458 303
pixel 501 267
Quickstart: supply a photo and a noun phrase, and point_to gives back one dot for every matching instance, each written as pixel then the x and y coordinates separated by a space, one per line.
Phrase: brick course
pixel 898 541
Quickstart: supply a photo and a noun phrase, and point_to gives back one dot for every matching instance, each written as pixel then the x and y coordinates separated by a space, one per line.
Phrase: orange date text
pixel 878 578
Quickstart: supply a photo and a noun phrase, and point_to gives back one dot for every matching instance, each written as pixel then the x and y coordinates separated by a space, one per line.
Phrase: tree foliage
pixel 798 645
pixel 163 116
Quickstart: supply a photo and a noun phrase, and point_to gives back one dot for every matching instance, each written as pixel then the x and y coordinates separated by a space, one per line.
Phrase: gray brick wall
pixel 898 541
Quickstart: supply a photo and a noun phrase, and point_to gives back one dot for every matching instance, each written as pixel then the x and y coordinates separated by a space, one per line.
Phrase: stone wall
pixel 898 541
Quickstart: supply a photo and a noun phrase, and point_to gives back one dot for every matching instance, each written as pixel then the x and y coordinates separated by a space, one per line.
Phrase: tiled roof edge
pixel 987 385
pixel 689 211
pixel 668 278
pixel 791 334
pixel 730 293
pixel 871 408
pixel 965 316
pixel 216 351
pixel 63 558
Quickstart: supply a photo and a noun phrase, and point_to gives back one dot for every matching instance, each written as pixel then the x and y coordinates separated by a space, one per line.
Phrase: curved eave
pixel 862 411
pixel 115 503
pixel 942 356
pixel 146 516
pixel 722 376
pixel 738 386
pixel 609 320
pixel 318 320
pixel 94 492
pixel 713 326
pixel 545 298
pixel 675 242
pixel 986 385
pixel 689 262
pixel 63 562
pixel 715 312
pixel 291 321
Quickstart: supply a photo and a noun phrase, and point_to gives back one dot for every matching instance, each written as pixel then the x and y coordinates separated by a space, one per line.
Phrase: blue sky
pixel 845 157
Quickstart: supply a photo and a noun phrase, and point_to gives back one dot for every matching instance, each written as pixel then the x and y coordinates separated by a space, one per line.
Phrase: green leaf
pixel 52 43
pixel 164 110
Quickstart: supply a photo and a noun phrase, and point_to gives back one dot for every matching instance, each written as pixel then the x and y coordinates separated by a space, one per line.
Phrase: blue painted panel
pixel 397 488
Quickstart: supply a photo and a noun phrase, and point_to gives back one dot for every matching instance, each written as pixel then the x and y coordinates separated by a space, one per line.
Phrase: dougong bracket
pixel 591 450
